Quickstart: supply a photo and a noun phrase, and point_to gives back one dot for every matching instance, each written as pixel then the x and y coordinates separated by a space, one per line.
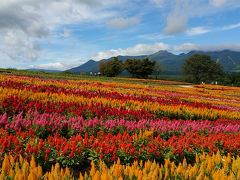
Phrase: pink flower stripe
pixel 58 122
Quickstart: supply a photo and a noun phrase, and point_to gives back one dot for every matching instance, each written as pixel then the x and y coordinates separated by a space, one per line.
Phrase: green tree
pixel 139 68
pixel 201 68
pixel 132 66
pixel 111 68
pixel 232 79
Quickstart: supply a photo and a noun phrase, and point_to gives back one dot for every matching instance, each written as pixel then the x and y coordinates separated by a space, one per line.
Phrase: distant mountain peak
pixel 164 52
pixel 90 61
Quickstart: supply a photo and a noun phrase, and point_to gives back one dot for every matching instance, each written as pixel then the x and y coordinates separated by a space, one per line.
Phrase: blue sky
pixel 60 34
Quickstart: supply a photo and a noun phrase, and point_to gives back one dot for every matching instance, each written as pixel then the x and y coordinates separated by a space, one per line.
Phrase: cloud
pixel 197 31
pixel 139 49
pixel 66 33
pixel 186 47
pixel 58 65
pixel 154 36
pixel 27 22
pixel 232 26
pixel 50 66
pixel 220 47
pixel 177 18
pixel 224 4
pixel 16 45
pixel 180 12
pixel 191 31
pixel 159 2
pixel 122 23
pixel 176 24
pixel 217 3
pixel 203 30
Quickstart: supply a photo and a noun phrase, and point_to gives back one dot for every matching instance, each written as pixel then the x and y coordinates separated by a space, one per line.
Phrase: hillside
pixel 89 66
pixel 230 60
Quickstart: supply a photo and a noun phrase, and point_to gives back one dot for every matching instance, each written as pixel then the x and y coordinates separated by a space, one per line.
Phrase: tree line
pixel 198 68
pixel 140 68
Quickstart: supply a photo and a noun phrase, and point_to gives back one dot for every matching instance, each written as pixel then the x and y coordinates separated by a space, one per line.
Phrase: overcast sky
pixel 59 34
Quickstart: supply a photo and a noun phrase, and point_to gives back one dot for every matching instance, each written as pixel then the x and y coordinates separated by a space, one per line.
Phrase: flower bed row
pixel 206 167
pixel 47 124
pixel 145 145
pixel 23 101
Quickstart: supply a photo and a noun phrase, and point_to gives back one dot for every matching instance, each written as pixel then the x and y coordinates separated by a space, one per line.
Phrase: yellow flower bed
pixel 205 167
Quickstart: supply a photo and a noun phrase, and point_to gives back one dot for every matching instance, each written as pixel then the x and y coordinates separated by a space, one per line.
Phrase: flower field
pixel 119 129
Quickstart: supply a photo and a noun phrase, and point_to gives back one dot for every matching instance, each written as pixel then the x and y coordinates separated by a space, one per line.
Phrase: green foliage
pixel 139 68
pixel 232 79
pixel 111 68
pixel 201 68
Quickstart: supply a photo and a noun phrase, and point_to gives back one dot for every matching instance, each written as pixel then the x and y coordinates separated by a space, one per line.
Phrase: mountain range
pixel 172 63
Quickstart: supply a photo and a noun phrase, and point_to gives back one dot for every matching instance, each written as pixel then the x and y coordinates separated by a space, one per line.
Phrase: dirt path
pixel 186 86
